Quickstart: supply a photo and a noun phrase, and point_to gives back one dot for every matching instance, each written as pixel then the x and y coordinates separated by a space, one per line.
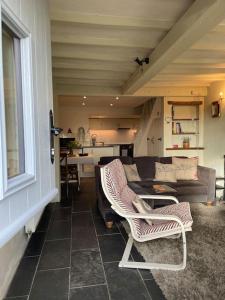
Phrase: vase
pixel 186 145
pixel 76 152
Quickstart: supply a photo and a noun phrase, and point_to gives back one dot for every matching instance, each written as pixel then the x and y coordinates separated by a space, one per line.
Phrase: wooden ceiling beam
pixel 199 19
pixel 194 70
pixel 111 21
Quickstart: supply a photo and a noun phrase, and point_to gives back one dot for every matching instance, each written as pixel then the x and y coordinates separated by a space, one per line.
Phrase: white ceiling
pixel 95 42
pixel 103 101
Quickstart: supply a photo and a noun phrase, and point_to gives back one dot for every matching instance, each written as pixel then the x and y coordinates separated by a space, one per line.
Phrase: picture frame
pixel 215 109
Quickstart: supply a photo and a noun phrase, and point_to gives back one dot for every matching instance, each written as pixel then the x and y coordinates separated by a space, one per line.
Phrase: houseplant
pixel 186 142
pixel 72 145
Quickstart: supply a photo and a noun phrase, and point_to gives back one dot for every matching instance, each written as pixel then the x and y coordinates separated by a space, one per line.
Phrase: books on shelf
pixel 178 128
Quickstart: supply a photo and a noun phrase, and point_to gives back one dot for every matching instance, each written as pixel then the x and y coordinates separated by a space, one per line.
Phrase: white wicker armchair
pixel 172 219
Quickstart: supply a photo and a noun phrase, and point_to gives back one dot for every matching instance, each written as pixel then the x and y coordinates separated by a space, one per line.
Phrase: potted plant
pixel 186 142
pixel 73 145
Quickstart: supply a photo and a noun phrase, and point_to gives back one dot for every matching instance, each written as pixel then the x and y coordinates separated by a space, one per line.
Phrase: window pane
pixel 13 103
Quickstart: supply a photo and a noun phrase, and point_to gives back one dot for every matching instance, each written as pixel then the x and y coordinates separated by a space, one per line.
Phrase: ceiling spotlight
pixel 117 98
pixel 111 104
pixel 85 97
pixel 141 61
pixel 83 103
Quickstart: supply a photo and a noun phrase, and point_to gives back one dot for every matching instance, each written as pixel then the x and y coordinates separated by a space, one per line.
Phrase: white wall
pixel 16 209
pixel 73 116
pixel 215 130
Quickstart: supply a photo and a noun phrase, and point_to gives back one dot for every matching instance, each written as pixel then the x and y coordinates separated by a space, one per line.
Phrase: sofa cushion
pixel 131 172
pixel 107 159
pixel 186 168
pixel 146 166
pixel 165 172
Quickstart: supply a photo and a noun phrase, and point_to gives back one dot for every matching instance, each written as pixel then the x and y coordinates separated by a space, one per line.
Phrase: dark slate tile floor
pixel 73 256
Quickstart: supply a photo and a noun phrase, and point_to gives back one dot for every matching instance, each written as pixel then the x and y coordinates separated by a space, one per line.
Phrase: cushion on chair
pixel 180 210
pixel 142 207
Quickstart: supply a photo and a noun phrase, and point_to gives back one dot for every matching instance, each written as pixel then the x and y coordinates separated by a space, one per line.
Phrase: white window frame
pixel 9 186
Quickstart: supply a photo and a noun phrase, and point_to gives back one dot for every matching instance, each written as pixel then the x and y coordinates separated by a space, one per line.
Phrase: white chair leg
pixel 124 263
pixel 127 251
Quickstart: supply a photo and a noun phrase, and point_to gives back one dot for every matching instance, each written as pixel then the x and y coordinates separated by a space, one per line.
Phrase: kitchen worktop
pixel 101 146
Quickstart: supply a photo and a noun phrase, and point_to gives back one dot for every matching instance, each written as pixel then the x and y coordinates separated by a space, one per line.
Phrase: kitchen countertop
pixel 101 146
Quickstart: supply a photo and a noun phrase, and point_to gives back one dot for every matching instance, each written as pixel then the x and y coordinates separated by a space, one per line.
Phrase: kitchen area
pixel 86 150
pixel 90 132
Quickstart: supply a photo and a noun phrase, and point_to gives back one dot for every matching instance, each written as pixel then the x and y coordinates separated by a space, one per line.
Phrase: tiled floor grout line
pixel 35 272
pixel 84 249
pixel 108 234
pixel 30 256
pixel 88 286
pixel 82 211
pixel 53 269
pixel 106 281
pixel 137 268
pixel 16 297
pixel 53 240
pixel 71 235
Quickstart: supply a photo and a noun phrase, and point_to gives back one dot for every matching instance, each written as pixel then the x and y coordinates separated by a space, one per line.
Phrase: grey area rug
pixel 204 276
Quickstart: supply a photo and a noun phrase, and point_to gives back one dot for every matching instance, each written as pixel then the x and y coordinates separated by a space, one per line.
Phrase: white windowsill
pixel 18 183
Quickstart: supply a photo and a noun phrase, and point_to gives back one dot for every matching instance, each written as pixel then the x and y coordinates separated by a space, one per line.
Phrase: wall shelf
pixel 191 148
pixel 195 119
pixel 184 133
pixel 185 103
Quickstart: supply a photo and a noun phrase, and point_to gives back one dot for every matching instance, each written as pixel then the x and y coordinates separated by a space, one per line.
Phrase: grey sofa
pixel 202 190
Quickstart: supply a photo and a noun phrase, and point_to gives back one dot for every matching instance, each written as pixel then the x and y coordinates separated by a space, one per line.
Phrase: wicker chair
pixel 171 220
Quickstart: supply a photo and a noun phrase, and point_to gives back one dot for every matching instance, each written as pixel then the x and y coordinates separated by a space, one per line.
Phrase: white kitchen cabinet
pixel 100 151
pixel 113 123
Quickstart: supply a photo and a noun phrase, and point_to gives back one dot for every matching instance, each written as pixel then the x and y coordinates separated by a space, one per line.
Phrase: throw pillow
pixel 131 172
pixel 186 168
pixel 165 172
pixel 142 207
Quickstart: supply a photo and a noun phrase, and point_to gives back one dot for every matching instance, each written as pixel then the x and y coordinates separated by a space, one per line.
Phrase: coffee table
pixel 146 188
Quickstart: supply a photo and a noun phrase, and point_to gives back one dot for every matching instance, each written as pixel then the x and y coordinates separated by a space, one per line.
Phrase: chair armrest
pixel 150 216
pixel 156 217
pixel 208 177
pixel 165 197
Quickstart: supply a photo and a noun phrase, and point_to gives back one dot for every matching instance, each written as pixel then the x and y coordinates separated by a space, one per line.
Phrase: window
pixel 17 149
pixel 13 102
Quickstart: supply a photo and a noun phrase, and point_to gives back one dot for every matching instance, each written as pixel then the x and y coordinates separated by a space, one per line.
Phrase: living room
pixel 144 73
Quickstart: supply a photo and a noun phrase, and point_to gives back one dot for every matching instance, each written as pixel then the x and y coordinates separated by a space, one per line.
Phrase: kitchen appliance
pixel 127 150
pixel 93 139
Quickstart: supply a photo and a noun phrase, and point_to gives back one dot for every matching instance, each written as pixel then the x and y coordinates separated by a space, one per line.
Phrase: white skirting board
pixel 13 228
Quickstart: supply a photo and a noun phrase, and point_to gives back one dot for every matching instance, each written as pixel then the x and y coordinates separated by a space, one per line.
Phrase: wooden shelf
pixel 185 103
pixel 195 119
pixel 115 117
pixel 184 133
pixel 191 148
